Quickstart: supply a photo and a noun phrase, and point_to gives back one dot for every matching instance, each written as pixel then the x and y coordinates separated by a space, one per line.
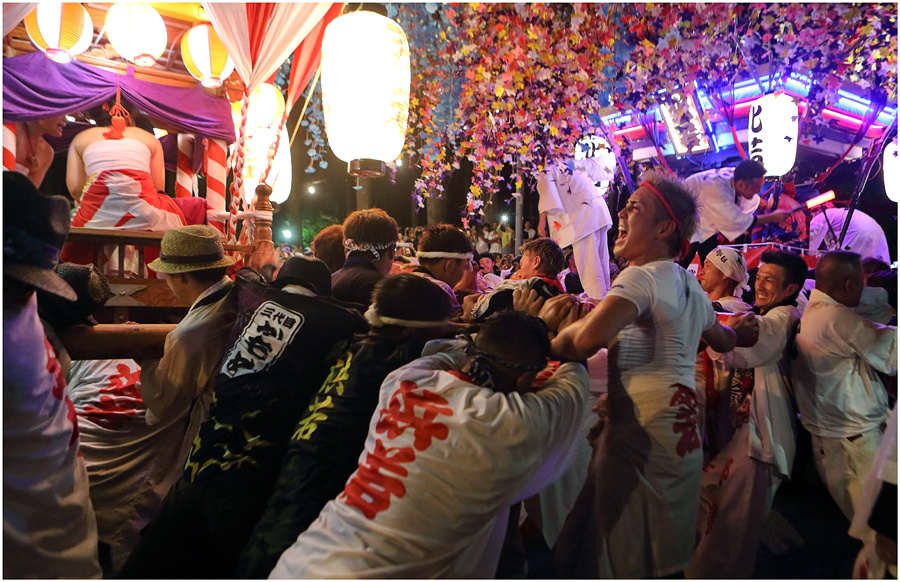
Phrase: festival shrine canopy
pixel 514 87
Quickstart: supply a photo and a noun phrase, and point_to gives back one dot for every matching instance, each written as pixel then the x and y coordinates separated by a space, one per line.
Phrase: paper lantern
pixel 686 137
pixel 892 171
pixel 772 133
pixel 590 146
pixel 595 146
pixel 137 32
pixel 60 30
pixel 266 108
pixel 205 56
pixel 281 174
pixel 365 90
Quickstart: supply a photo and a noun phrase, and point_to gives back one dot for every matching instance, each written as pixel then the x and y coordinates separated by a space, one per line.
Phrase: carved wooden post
pixel 263 248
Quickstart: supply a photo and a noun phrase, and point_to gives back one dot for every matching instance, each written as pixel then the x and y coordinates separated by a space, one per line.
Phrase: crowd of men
pixel 355 414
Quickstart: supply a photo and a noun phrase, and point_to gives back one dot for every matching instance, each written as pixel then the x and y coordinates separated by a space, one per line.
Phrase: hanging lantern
pixel 205 56
pixel 137 32
pixel 772 133
pixel 892 171
pixel 255 159
pixel 61 30
pixel 595 146
pixel 687 137
pixel 365 90
pixel 266 108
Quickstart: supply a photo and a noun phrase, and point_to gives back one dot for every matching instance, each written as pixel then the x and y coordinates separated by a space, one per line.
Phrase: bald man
pixel 842 401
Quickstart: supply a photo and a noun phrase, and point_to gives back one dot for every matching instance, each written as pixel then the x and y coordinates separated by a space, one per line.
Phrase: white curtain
pixel 14 13
pixel 288 26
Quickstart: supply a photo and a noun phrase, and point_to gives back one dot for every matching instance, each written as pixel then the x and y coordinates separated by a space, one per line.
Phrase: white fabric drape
pixel 294 22
pixel 14 13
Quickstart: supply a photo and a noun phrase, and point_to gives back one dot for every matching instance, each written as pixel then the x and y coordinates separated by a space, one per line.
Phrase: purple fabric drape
pixel 34 87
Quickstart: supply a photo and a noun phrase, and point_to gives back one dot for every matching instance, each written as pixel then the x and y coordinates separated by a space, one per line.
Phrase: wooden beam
pixel 116 341
pixel 106 236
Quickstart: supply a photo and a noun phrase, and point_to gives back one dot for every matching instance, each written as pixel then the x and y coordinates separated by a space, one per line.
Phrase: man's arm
pixel 874 343
pixel 774 330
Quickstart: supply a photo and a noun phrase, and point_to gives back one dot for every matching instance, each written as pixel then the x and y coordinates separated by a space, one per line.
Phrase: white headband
pixel 732 265
pixel 376 320
pixel 443 255
pixel 351 245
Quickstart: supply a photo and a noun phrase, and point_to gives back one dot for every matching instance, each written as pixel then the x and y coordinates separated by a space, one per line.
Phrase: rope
pixel 273 148
pixel 237 184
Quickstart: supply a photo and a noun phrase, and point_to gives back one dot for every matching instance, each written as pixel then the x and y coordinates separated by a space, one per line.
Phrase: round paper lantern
pixel 204 55
pixel 266 108
pixel 365 90
pixel 772 133
pixel 61 30
pixel 892 171
pixel 281 174
pixel 137 32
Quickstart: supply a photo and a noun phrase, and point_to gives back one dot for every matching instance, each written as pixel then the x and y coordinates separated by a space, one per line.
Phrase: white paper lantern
pixel 265 108
pixel 205 56
pixel 892 171
pixel 137 32
pixel 60 30
pixel 365 87
pixel 772 133
pixel 595 146
pixel 281 174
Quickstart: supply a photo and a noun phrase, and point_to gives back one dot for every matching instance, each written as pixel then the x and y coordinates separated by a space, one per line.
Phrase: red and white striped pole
pixel 216 178
pixel 184 173
pixel 9 146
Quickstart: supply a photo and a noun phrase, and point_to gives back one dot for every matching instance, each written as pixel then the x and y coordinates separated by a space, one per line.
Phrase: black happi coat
pixel 325 447
pixel 281 349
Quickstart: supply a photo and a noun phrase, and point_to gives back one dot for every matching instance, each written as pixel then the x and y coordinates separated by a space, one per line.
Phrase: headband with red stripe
pixel 655 190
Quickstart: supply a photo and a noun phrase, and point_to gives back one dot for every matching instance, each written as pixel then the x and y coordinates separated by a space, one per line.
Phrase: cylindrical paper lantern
pixel 205 56
pixel 266 108
pixel 365 87
pixel 892 171
pixel 61 30
pixel 137 32
pixel 772 133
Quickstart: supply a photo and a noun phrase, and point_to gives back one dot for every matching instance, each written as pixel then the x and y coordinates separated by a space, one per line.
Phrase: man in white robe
pixel 456 439
pixel 573 212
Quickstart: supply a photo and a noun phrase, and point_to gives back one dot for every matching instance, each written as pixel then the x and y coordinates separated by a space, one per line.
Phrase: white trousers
pixel 736 494
pixel 844 465
pixel 592 260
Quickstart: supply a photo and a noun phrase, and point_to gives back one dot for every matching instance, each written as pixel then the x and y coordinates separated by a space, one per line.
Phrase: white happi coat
pixel 772 415
pixel 721 210
pixel 443 462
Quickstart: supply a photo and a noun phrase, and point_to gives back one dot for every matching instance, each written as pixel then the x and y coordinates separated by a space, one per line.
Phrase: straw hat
pixel 191 248
pixel 34 230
